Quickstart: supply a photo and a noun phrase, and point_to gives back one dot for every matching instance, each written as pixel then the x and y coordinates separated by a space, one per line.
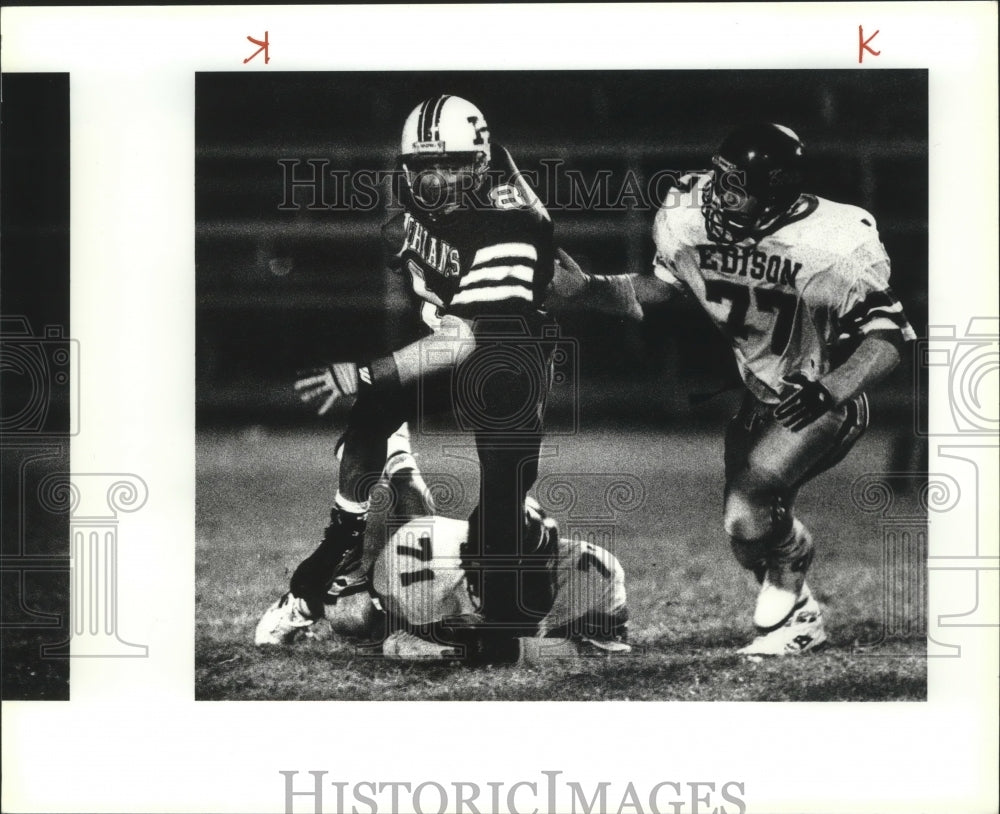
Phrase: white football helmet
pixel 444 152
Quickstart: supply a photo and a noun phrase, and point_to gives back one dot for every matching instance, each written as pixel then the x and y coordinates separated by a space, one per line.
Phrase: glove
pixel 568 279
pixel 327 383
pixel 808 402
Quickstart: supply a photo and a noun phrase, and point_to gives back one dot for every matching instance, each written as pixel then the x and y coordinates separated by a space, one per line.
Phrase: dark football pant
pixel 499 394
pixel 767 464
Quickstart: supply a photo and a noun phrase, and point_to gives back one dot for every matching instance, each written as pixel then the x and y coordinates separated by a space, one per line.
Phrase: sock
pixel 796 548
pixel 359 511
pixel 398 454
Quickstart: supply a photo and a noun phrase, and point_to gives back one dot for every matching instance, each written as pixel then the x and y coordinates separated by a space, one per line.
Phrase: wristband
pixel 379 376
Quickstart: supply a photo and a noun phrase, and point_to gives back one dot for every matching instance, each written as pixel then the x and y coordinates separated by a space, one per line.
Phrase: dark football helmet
pixel 757 178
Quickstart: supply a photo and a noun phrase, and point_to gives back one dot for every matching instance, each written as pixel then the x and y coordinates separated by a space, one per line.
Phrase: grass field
pixel 263 499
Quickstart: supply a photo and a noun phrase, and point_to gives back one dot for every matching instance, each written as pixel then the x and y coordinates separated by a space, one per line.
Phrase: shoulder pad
pixel 509 190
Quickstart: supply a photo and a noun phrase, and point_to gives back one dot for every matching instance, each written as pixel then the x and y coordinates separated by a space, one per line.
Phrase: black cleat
pixel 340 552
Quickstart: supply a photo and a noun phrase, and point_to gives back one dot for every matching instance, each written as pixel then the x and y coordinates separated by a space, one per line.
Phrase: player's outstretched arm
pixel 619 294
pixel 446 347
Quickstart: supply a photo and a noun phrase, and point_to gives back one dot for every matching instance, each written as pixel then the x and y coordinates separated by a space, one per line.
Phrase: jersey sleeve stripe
pixel 876 310
pixel 497 273
pixel 895 314
pixel 519 251
pixel 876 299
pixel 889 324
pixel 492 294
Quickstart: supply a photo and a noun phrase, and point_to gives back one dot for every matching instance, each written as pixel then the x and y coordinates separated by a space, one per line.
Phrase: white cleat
pixel 804 631
pixel 404 646
pixel 282 622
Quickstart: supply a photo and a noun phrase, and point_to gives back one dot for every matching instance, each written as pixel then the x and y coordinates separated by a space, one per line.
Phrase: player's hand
pixel 324 385
pixel 568 279
pixel 809 401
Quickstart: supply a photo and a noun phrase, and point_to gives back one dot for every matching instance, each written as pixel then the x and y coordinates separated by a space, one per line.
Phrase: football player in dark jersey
pixel 477 246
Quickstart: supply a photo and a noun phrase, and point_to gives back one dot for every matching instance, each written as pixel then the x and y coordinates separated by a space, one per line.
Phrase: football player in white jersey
pixel 800 286
pixel 417 597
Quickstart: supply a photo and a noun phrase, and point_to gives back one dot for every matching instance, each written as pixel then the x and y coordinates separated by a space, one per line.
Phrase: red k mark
pixel 864 46
pixel 263 47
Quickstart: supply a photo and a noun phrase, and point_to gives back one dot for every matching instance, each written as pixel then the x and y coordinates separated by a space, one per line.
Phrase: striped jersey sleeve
pixel 876 310
pixel 500 278
pixel 859 297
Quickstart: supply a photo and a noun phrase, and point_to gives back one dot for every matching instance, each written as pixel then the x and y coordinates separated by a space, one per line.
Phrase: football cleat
pixel 282 622
pixel 804 631
pixel 784 582
pixel 339 553
pixel 405 646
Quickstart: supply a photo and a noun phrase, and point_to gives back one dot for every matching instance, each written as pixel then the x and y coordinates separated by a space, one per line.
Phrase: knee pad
pixel 748 517
pixel 755 523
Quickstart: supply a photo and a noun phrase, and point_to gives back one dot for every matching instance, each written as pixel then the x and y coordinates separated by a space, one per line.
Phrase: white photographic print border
pixel 134 739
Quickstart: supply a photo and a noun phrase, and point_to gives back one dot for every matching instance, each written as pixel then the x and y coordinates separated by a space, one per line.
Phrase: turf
pixel 262 501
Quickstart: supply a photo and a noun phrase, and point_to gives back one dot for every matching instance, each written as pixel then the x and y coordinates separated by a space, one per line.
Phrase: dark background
pixel 34 402
pixel 278 289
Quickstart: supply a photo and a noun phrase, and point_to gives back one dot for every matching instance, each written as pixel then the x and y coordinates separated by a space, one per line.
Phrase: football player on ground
pixel 417 587
pixel 800 286
pixel 477 246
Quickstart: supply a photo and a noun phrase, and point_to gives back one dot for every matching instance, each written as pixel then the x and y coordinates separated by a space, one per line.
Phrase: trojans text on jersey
pixel 435 253
pixel 745 262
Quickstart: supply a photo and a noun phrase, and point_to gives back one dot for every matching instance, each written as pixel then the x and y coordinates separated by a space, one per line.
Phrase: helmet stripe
pixel 436 118
pixel 422 120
